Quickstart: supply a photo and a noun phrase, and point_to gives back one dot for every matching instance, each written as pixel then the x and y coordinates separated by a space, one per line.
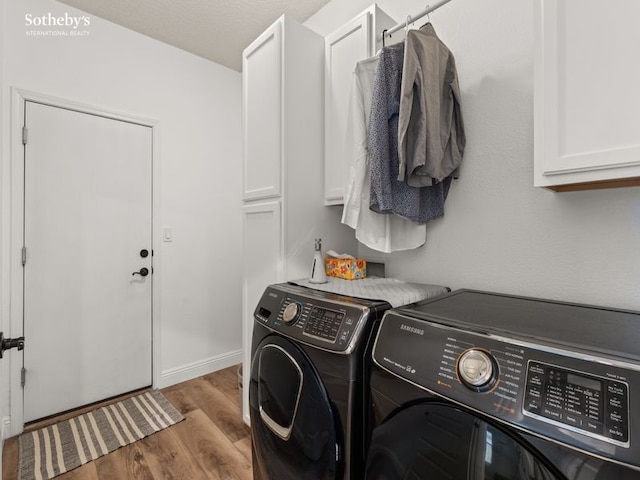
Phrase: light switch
pixel 167 234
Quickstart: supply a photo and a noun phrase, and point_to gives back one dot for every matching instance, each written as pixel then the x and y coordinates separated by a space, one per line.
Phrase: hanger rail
pixel 417 16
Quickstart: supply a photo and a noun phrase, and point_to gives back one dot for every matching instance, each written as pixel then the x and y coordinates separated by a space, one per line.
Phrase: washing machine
pixel 481 385
pixel 309 382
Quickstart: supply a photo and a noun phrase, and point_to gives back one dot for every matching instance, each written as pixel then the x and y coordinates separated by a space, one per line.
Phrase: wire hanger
pixel 428 16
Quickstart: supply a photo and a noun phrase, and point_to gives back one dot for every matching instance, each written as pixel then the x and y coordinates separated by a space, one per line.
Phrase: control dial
pixel 477 370
pixel 291 313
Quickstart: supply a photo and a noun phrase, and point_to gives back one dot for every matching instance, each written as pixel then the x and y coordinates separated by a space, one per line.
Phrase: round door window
pixel 292 421
pixel 436 442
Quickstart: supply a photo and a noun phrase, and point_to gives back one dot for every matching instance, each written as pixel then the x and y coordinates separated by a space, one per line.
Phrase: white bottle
pixel 318 274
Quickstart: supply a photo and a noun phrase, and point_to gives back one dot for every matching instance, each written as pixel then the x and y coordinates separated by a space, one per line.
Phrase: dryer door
pixel 438 441
pixel 292 422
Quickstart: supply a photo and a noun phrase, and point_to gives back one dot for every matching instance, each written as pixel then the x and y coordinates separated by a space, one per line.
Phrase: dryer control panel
pixel 326 321
pixel 575 398
pixel 584 402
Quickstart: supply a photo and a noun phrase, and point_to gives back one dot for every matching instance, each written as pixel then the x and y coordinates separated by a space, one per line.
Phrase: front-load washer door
pixel 438 441
pixel 293 425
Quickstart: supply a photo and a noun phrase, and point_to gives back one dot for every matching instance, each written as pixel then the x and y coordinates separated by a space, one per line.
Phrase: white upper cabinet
pixel 587 100
pixel 354 41
pixel 262 115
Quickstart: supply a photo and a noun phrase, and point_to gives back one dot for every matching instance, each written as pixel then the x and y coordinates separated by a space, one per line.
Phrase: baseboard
pixel 5 428
pixel 196 369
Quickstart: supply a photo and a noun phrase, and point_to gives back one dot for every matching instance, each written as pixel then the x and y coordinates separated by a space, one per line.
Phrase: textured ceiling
pixel 215 29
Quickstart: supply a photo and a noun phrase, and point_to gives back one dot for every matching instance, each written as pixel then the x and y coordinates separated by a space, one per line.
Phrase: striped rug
pixel 56 449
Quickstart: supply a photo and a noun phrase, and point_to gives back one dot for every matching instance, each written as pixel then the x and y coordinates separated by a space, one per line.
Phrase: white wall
pixel 500 233
pixel 4 274
pixel 198 106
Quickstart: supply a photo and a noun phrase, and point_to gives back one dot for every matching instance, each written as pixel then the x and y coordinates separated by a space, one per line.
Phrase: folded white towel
pixel 394 291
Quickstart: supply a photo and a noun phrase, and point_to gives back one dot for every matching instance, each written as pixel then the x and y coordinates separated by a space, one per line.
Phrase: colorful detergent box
pixel 347 268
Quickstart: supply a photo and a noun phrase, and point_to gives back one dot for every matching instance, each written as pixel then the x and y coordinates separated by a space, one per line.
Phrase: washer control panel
pixel 327 321
pixel 325 324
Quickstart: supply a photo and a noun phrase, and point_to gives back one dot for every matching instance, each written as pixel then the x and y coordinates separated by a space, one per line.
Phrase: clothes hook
pixel 384 34
pixel 428 16
pixel 406 28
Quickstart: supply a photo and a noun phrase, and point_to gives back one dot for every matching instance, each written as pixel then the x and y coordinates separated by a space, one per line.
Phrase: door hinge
pixel 25 133
pixel 23 376
pixel 24 256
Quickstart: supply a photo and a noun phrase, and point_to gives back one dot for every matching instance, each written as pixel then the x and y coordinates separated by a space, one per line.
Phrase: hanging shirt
pixel 381 232
pixel 431 131
pixel 388 194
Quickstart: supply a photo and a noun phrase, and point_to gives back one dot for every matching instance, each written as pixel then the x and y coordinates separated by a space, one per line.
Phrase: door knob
pixel 7 343
pixel 144 271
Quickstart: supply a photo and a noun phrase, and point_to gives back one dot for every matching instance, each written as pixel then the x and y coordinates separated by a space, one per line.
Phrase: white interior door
pixel 87 316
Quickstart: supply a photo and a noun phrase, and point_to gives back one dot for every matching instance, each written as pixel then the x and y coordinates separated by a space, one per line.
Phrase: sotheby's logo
pixel 49 25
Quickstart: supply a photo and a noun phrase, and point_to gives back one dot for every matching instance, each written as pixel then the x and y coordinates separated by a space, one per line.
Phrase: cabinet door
pixel 587 127
pixel 262 266
pixel 262 115
pixel 343 49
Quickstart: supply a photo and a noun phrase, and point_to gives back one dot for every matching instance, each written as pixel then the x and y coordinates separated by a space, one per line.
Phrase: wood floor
pixel 212 443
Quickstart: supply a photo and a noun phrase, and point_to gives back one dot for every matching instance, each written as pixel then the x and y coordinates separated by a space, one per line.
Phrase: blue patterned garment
pixel 388 195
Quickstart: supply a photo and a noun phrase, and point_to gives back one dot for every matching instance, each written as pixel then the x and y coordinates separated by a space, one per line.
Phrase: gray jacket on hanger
pixel 431 135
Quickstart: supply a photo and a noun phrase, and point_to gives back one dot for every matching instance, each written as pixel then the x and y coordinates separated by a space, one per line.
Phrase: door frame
pixel 15 234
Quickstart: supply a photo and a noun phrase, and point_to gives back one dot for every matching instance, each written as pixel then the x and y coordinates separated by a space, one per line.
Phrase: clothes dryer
pixel 480 385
